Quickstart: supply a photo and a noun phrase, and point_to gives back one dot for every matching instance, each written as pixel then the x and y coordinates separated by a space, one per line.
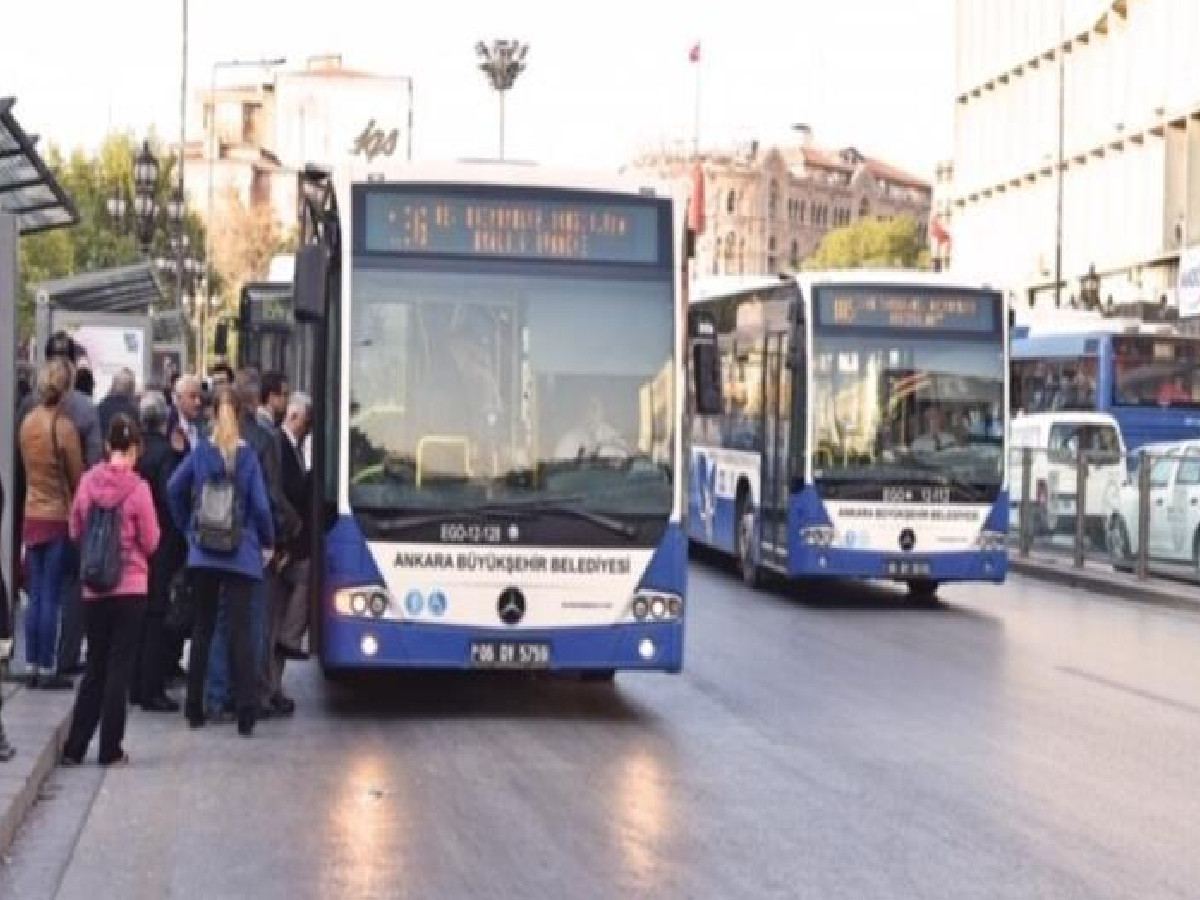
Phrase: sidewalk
pixel 36 723
pixel 1100 578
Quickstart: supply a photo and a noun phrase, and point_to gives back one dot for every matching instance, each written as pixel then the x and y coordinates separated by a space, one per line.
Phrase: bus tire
pixel 336 676
pixel 746 529
pixel 923 590
pixel 598 676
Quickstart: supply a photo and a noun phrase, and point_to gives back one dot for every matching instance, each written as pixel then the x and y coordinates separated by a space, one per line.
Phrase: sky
pixel 604 80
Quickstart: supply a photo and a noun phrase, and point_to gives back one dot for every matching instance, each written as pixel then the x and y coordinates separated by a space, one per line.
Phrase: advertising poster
pixel 109 349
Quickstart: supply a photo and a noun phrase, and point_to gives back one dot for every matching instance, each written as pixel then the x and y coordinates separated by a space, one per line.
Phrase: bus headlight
pixel 991 541
pixel 369 602
pixel 655 606
pixel 817 536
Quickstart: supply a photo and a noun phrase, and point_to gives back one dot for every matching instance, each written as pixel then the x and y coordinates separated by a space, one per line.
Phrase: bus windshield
pixel 1155 371
pixel 900 408
pixel 468 390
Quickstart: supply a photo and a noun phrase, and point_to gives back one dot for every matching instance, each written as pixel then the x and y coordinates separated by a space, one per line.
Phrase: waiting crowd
pixel 148 521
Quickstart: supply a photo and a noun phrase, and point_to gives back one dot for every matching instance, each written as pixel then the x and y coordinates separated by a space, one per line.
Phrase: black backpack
pixel 100 563
pixel 219 515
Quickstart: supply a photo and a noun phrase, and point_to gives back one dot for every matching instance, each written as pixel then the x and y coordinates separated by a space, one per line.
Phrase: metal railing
pixel 1126 511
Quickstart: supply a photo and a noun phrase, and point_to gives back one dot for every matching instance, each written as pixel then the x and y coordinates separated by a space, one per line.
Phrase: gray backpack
pixel 219 515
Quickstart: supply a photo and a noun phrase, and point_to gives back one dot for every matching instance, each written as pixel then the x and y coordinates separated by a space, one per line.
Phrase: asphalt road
pixel 1014 742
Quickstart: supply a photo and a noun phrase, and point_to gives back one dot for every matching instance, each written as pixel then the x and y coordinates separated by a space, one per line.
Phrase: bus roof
pixel 504 174
pixel 711 286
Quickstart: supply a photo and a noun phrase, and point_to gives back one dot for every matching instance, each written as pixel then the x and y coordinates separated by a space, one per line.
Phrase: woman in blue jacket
pixel 212 573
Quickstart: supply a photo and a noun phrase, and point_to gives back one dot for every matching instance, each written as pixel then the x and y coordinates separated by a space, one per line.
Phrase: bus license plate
pixel 510 655
pixel 908 568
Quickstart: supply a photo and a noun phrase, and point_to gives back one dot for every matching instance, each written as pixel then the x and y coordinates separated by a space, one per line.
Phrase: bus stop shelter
pixel 111 312
pixel 31 200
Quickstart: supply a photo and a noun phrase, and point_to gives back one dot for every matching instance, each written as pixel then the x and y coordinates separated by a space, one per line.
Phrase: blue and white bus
pixel 1144 376
pixel 850 424
pixel 497 440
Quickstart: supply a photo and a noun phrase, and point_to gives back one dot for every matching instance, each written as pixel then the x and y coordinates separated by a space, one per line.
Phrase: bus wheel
pixel 747 564
pixel 923 590
pixel 598 676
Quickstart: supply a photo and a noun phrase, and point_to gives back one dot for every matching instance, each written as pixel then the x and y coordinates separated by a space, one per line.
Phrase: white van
pixel 1053 439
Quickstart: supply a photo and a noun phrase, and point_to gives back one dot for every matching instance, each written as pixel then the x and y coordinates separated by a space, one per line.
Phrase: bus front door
pixel 775 474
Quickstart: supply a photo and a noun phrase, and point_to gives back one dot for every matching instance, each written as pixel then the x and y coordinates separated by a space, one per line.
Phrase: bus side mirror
pixel 706 375
pixel 311 283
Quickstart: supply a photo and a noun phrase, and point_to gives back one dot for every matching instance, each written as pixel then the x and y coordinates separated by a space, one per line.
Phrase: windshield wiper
pixel 567 506
pixel 946 479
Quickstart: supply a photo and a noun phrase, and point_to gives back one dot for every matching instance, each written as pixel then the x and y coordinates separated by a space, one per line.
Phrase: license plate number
pixel 510 654
pixel 908 568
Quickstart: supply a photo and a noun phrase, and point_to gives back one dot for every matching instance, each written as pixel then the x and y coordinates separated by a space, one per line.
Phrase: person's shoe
pixel 291 653
pixel 72 671
pixel 57 682
pixel 265 711
pixel 245 720
pixel 7 750
pixel 67 761
pixel 195 721
pixel 160 704
pixel 34 681
pixel 122 760
pixel 283 705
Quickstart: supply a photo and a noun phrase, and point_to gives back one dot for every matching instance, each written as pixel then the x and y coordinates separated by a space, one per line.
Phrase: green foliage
pixel 96 242
pixel 872 243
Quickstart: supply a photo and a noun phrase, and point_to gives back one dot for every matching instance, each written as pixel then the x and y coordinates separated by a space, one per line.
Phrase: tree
pixel 872 243
pixel 244 245
pixel 96 242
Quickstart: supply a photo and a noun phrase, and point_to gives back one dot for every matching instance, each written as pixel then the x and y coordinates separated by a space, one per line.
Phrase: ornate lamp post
pixel 502 62
pixel 1090 289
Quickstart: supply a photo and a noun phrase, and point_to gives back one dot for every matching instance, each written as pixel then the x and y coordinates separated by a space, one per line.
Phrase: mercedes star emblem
pixel 511 606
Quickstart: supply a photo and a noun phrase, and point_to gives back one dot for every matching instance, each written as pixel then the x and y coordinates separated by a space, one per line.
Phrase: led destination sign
pixel 459 225
pixel 269 307
pixel 879 308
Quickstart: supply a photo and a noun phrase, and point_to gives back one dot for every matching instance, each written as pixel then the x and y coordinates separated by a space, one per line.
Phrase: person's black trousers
pixel 208 585
pixel 153 654
pixel 112 625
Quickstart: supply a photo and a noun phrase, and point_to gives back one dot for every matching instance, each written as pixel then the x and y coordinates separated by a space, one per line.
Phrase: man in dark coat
pixel 156 652
pixel 119 399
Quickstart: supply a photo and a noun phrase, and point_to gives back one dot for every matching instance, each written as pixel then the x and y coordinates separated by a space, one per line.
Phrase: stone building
pixel 769 206
pixel 1077 125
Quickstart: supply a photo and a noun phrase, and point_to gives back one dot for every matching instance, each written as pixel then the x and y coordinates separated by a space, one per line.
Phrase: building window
pixel 794 257
pixel 250 118
pixel 728 250
pixel 802 206
pixel 864 208
pixel 773 200
pixel 741 256
pixel 731 202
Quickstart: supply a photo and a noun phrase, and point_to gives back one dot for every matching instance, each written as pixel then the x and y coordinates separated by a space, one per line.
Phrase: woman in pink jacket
pixel 112 619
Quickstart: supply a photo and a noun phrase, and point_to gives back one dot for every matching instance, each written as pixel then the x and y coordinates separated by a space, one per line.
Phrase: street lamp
pixel 145 179
pixel 502 62
pixel 1090 289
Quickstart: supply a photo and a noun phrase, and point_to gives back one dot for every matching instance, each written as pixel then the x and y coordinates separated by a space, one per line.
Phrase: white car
pixel 1053 440
pixel 1174 498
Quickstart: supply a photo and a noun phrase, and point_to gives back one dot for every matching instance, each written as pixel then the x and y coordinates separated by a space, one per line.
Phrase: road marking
pixel 1130 689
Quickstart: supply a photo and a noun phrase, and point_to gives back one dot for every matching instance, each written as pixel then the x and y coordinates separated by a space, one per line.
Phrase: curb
pixel 37 726
pixel 1115 586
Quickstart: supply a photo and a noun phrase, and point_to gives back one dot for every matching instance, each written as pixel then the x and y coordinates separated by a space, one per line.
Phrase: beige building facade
pixel 1126 73
pixel 767 207
pixel 255 137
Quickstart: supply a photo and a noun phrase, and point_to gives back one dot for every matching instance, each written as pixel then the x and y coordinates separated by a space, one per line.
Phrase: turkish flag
pixel 940 234
pixel 694 53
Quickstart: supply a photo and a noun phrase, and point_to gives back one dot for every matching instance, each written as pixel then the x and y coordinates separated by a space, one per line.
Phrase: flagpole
pixel 696 110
